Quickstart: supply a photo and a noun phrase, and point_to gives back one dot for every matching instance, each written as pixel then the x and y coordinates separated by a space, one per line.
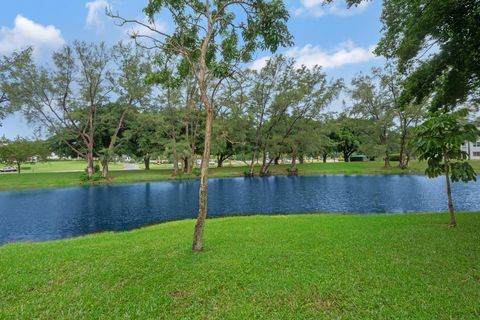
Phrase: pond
pixel 45 214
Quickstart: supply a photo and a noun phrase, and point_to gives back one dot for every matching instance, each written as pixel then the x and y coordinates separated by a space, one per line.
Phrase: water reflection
pixel 61 213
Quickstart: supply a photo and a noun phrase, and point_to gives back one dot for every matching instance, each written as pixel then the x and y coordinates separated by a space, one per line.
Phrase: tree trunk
pixel 346 157
pixel 276 160
pixel 301 159
pixel 324 158
pixel 386 160
pixel 186 164
pixel 202 206
pixel 252 164
pixel 90 165
pixel 146 161
pixel 175 159
pixel 402 163
pixel 18 167
pixel 104 168
pixel 453 222
pixel 294 161
pixel 220 160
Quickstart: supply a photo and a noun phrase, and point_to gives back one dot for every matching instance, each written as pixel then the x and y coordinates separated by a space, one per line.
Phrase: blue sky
pixel 338 39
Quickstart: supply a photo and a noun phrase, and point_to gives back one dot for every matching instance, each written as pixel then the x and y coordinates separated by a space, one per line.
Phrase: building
pixel 472 149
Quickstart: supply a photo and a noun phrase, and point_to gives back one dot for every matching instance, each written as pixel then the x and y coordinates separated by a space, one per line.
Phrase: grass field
pixel 61 165
pixel 64 179
pixel 262 267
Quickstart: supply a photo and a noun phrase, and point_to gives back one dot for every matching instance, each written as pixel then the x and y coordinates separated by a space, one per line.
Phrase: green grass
pixel 263 267
pixel 64 179
pixel 61 165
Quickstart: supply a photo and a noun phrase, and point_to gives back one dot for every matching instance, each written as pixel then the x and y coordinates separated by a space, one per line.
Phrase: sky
pixel 340 40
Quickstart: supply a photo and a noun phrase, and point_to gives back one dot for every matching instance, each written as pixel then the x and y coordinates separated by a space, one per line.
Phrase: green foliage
pixel 217 34
pixel 438 141
pixel 437 43
pixel 22 150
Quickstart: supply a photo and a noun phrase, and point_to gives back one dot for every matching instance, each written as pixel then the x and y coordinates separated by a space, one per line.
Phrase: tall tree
pixel 372 102
pixel 64 98
pixel 133 92
pixel 438 141
pixel 213 37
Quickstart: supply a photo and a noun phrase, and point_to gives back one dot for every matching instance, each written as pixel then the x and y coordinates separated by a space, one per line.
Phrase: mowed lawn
pixel 63 179
pixel 410 266
pixel 61 165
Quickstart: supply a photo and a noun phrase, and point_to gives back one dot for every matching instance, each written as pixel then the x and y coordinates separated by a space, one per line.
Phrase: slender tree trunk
pixel 18 167
pixel 202 207
pixel 111 145
pixel 301 159
pixel 402 163
pixel 277 158
pixel 146 161
pixel 453 222
pixel 252 164
pixel 324 158
pixel 294 161
pixel 346 157
pixel 175 158
pixel 186 164
pixel 265 167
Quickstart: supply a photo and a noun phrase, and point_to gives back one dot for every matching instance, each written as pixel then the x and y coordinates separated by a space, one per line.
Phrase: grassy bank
pixel 63 179
pixel 61 165
pixel 263 267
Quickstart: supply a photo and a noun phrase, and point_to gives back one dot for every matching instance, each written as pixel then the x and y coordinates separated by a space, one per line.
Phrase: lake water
pixel 44 214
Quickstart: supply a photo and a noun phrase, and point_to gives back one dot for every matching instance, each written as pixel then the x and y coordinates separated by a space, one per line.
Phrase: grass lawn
pixel 262 267
pixel 61 165
pixel 63 179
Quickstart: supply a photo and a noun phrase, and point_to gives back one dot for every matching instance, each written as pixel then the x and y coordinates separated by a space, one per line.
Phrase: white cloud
pixel 310 55
pixel 96 10
pixel 317 8
pixel 26 32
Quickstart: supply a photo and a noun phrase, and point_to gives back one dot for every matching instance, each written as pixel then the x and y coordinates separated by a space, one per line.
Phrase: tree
pixel 22 150
pixel 408 115
pixel 347 141
pixel 438 141
pixel 132 91
pixel 144 140
pixel 64 98
pixel 213 38
pixel 371 102
pixel 436 43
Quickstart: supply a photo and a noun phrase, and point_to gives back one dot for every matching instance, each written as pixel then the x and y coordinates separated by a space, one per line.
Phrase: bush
pixel 96 168
pixel 84 177
pixel 395 157
pixel 97 176
pixel 196 172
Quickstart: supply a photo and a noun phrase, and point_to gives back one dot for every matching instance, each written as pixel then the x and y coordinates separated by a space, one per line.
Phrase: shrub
pixel 84 177
pixel 97 176
pixel 395 157
pixel 196 172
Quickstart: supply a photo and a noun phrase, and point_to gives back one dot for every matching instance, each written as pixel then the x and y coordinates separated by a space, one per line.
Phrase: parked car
pixel 8 169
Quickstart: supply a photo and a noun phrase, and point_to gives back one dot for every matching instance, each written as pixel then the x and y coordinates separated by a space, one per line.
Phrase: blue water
pixel 35 215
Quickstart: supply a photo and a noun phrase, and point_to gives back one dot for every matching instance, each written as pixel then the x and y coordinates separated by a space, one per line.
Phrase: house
pixel 472 149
